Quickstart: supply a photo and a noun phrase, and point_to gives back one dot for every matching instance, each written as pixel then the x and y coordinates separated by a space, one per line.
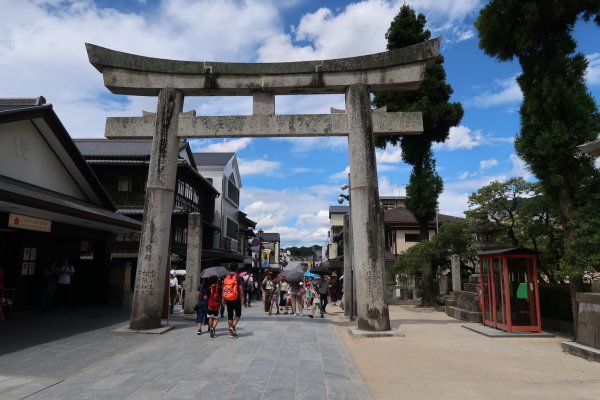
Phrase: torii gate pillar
pixel 368 251
pixel 148 294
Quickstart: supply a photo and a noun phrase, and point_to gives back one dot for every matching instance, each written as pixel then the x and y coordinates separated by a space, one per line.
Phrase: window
pixel 180 235
pixel 233 193
pixel 412 237
pixel 232 228
pixel 124 184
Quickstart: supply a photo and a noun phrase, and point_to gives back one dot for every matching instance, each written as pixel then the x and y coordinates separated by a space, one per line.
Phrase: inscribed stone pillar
pixel 347 266
pixel 153 255
pixel 368 255
pixel 455 261
pixel 443 284
pixel 193 261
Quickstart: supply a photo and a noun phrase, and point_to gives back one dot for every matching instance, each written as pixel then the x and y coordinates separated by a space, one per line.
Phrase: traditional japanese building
pixel 51 206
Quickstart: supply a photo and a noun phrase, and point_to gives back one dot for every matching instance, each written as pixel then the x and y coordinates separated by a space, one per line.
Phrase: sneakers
pixel 310 316
pixel 285 313
pixel 212 332
pixel 199 332
pixel 232 333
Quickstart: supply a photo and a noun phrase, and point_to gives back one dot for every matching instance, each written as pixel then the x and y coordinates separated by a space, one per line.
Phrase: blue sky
pixel 288 184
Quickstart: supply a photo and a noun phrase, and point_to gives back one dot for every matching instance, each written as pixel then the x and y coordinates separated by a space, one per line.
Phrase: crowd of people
pixel 277 294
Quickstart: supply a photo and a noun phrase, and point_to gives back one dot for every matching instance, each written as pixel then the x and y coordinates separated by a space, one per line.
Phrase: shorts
pixel 201 315
pixel 233 305
pixel 212 313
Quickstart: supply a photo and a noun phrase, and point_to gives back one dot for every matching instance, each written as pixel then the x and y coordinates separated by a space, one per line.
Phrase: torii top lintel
pixel 400 69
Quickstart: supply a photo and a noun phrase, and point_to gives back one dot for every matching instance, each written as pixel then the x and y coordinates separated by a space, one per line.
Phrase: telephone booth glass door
pixel 509 290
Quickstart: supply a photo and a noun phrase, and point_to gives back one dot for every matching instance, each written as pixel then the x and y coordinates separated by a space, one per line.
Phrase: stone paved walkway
pixel 278 357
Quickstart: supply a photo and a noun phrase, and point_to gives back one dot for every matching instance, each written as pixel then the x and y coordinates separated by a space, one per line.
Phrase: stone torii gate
pixel 171 80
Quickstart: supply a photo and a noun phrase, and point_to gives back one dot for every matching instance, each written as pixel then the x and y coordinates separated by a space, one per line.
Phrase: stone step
pixel 451 302
pixel 471 287
pixel 463 315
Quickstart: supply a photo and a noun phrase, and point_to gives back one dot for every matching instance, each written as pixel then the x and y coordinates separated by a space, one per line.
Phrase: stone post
pixel 455 261
pixel 368 255
pixel 193 261
pixel 153 254
pixel 347 267
pixel 443 284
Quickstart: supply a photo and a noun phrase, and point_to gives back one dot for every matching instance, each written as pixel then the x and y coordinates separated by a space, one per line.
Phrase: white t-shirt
pixel 64 278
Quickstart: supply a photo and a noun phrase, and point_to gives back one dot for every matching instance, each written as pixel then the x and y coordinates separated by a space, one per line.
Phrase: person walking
pixel 173 291
pixel 65 273
pixel 248 289
pixel 202 295
pixel 267 288
pixel 233 292
pixel 316 296
pixel 284 293
pixel 333 287
pixel 275 297
pixel 214 302
pixel 323 290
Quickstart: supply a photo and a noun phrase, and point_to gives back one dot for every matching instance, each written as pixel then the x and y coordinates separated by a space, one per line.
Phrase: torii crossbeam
pixel 171 80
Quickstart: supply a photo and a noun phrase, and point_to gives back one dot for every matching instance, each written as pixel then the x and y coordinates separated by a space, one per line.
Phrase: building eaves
pixel 47 113
pixel 212 159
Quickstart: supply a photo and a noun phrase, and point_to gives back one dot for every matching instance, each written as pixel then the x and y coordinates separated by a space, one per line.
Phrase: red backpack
pixel 230 287
pixel 214 300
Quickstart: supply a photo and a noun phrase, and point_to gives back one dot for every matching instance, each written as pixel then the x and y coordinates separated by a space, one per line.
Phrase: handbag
pixel 196 307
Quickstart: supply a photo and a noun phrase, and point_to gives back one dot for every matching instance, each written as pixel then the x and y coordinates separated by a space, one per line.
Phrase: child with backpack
pixel 213 304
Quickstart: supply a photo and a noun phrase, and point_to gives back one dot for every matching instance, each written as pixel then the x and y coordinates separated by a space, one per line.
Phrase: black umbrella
pixel 292 276
pixel 218 271
pixel 321 270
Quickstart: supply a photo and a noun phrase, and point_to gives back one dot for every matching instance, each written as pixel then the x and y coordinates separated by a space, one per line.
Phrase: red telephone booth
pixel 510 289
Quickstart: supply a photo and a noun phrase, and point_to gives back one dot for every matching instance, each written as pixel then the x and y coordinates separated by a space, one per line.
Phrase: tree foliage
pixel 558 113
pixel 439 115
pixel 452 238
pixel 524 216
pixel 303 251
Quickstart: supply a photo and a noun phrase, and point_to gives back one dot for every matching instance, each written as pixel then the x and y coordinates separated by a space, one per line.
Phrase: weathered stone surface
pixel 137 75
pixel 580 350
pixel 471 287
pixel 146 310
pixel 464 315
pixel 347 266
pixel 193 261
pixel 368 254
pixel 265 125
pixel 263 103
pixel 455 262
pixel 467 300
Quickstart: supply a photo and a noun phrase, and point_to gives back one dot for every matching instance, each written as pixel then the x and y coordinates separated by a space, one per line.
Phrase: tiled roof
pixel 207 159
pixel 401 215
pixel 99 148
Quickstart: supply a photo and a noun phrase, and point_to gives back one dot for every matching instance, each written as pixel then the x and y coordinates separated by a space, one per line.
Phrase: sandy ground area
pixel 439 359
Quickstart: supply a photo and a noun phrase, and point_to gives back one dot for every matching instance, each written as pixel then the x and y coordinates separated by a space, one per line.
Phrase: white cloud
pixel 222 146
pixel 486 164
pixel 364 25
pixel 592 74
pixel 519 167
pixel 52 35
pixel 387 187
pixel 301 216
pixel 389 155
pixel 460 137
pixel 259 167
pixel 509 93
pixel 341 176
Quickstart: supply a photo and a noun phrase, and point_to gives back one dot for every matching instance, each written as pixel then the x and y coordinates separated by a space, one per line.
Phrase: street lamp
pixel 341 199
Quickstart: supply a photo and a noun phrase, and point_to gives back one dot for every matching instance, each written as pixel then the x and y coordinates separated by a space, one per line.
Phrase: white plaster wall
pixel 401 244
pixel 26 156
